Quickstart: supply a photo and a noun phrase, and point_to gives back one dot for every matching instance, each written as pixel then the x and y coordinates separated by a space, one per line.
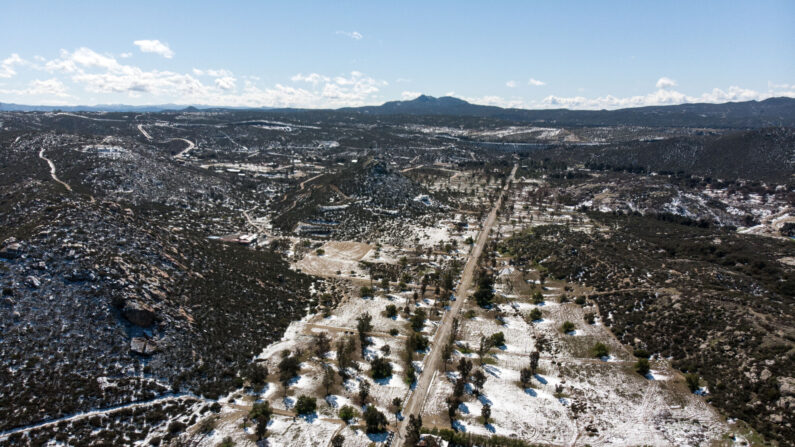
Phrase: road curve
pixel 52 170
pixel 433 360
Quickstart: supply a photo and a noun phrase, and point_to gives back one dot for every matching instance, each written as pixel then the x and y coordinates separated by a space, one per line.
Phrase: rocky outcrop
pixel 139 314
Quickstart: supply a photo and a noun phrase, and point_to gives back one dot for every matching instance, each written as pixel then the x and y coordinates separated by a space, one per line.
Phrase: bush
pixel 305 404
pixel 692 381
pixel 365 291
pixel 589 318
pixel 417 342
pixel 567 327
pixel 580 300
pixel 347 413
pixel 642 367
pixel 391 311
pixel 393 332
pixel 600 350
pixel 418 320
pixel 535 314
pixel 374 420
pixel 380 368
pixel 497 339
pixel 227 442
pixel 641 353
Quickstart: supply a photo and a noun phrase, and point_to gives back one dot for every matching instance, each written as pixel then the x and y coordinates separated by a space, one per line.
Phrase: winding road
pixel 52 170
pixel 433 361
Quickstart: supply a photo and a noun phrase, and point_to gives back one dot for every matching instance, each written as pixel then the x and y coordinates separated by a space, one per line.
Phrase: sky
pixel 528 54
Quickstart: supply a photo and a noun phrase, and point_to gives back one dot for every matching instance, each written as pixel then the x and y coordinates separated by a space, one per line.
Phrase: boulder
pixel 11 251
pixel 138 314
pixel 143 346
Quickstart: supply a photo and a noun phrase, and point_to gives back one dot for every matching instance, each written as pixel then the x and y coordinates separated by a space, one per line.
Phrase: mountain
pixel 770 112
pixel 749 114
pixel 10 107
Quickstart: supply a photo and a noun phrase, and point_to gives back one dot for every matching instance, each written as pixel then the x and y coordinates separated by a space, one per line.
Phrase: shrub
pixel 347 413
pixel 580 300
pixel 497 339
pixel 391 311
pixel 600 350
pixel 226 442
pixel 589 318
pixel 692 381
pixel 567 327
pixel 365 291
pixel 374 420
pixel 642 367
pixel 393 332
pixel 380 368
pixel 305 404
pixel 418 320
pixel 417 342
pixel 535 314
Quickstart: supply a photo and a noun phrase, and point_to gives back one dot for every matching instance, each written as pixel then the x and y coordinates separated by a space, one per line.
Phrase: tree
pixel 692 381
pixel 535 314
pixel 322 344
pixel 328 378
pixel 418 320
pixel 385 284
pixel 417 342
pixel 305 404
pixel 458 388
pixel 642 367
pixel 535 356
pixel 343 357
pixel 261 415
pixel 397 405
pixel 589 318
pixel 364 325
pixel 347 413
pixel 391 311
pixel 413 430
pixel 538 297
pixel 525 376
pixel 483 348
pixel 380 368
pixel 486 413
pixel 452 407
pixel 288 368
pixel 497 339
pixel 257 374
pixel 227 442
pixel 600 350
pixel 464 367
pixel 479 379
pixel 447 354
pixel 374 420
pixel 364 391
pixel 485 291
pixel 567 327
pixel 365 292
pixel 338 440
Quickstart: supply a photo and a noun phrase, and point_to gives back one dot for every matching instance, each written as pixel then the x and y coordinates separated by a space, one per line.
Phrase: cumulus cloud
pixel 535 82
pixel 664 82
pixel 511 84
pixel 407 96
pixel 154 46
pixel 48 87
pixel 660 97
pixel 355 35
pixel 226 83
pixel 7 65
pixel 312 78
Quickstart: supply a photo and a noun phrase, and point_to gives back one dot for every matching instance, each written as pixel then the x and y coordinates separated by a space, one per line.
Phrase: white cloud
pixel 535 82
pixel 664 82
pixel 49 87
pixel 511 84
pixel 154 46
pixel 226 83
pixel 312 78
pixel 491 100
pixel 352 34
pixel 125 55
pixel 406 96
pixel 7 65
pixel 660 97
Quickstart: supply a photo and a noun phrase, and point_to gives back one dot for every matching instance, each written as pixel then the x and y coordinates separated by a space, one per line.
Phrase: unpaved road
pixel 185 151
pixel 52 170
pixel 433 360
pixel 145 133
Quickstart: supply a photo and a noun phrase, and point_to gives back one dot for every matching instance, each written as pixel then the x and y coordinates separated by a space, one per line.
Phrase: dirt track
pixel 433 360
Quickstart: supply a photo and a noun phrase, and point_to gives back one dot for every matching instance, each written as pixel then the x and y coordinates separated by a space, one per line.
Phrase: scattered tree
pixel 364 391
pixel 261 415
pixel 391 311
pixel 413 430
pixel 600 350
pixel 380 368
pixel 525 376
pixel 305 404
pixel 347 413
pixel 485 412
pixel 338 440
pixel 567 327
pixel 478 379
pixel 692 381
pixel 642 366
pixel 374 420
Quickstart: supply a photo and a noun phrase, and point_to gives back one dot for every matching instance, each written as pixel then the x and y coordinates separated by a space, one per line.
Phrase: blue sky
pixel 577 54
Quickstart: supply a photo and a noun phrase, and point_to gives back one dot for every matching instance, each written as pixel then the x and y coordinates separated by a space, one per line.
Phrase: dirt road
pixel 52 170
pixel 433 360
